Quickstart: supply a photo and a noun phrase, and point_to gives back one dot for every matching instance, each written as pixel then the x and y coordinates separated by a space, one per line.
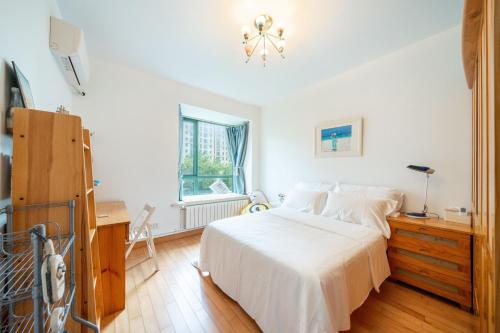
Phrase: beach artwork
pixel 339 138
pixel 336 138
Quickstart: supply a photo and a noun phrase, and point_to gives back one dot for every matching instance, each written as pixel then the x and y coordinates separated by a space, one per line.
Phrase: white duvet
pixel 294 272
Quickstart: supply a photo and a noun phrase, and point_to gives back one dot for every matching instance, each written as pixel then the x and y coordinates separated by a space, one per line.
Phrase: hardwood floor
pixel 178 299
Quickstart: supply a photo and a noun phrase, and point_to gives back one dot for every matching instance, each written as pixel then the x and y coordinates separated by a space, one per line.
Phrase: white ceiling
pixel 198 42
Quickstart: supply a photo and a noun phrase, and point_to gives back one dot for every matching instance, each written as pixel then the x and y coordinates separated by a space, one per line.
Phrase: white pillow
pixel 305 201
pixel 353 208
pixel 375 192
pixel 314 186
pixel 318 187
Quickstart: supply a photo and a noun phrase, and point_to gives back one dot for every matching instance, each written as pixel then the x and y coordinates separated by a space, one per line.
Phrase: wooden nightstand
pixel 434 255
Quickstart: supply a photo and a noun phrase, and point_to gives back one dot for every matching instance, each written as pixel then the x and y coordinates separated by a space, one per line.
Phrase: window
pixel 205 157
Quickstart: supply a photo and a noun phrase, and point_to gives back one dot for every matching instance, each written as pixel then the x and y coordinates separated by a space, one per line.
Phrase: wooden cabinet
pixel 112 226
pixel 434 255
pixel 480 50
pixel 51 163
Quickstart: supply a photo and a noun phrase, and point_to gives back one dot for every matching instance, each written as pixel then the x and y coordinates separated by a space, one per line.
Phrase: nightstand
pixel 434 255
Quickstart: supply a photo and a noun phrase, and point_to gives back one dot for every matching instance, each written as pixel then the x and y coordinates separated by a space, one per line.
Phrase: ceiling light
pixel 263 38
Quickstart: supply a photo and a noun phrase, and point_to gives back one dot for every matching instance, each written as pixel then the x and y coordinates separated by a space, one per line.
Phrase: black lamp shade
pixel 420 168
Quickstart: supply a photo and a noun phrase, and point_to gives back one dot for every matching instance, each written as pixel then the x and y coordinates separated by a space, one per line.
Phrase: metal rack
pixel 21 257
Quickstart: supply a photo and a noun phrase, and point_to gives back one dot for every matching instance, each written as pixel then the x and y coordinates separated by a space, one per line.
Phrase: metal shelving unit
pixel 21 256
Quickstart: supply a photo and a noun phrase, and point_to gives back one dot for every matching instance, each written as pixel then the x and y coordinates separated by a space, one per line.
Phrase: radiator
pixel 200 215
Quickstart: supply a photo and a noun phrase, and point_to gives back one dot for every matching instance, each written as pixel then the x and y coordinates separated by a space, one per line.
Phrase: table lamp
pixel 428 171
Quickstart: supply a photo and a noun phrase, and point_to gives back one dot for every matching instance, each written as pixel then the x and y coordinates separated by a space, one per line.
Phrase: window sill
pixel 193 200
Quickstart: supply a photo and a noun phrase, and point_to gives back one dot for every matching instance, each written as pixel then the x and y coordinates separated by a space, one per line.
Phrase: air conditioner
pixel 68 46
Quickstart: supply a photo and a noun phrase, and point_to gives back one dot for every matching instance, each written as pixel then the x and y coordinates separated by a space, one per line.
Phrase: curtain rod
pixel 213 122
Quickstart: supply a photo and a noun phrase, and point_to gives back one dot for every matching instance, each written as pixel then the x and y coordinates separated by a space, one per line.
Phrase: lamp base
pixel 417 215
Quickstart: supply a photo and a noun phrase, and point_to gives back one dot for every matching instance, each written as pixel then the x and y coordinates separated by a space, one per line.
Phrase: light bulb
pixel 248 50
pixel 245 30
pixel 280 31
pixel 260 21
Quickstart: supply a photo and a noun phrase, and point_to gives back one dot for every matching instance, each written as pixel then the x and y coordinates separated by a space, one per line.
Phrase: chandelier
pixel 264 38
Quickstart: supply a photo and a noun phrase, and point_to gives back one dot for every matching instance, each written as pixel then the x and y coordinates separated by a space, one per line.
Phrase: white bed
pixel 292 271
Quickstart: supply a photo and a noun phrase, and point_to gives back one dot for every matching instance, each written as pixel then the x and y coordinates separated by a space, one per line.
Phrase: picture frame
pixel 24 86
pixel 339 138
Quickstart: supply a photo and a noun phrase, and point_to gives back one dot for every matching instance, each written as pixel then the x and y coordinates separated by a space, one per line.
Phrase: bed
pixel 293 271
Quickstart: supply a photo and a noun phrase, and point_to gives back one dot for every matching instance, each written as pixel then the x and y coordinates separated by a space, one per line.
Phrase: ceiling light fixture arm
pixel 276 48
pixel 253 50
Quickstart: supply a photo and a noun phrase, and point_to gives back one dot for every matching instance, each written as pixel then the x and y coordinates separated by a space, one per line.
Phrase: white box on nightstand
pixel 459 215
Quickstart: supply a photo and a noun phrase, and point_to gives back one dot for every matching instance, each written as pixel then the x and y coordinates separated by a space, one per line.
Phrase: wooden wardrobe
pixel 481 57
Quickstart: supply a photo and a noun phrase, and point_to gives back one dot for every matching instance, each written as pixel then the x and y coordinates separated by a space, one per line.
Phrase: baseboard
pixel 170 237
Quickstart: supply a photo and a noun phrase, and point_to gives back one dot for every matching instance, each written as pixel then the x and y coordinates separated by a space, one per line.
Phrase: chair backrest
pixel 143 217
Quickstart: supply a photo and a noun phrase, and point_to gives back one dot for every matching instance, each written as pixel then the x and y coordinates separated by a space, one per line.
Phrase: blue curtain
pixel 237 137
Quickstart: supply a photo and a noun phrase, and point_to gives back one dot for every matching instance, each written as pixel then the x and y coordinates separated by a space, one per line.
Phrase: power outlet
pixel 155 226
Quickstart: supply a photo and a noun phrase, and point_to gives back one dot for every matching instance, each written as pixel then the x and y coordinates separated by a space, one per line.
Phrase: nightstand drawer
pixel 454 247
pixel 461 295
pixel 431 267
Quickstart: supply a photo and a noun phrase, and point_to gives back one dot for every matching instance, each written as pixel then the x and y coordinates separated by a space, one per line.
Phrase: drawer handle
pixel 424 250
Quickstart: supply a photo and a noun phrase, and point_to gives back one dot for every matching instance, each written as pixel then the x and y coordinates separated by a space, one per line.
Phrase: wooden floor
pixel 178 299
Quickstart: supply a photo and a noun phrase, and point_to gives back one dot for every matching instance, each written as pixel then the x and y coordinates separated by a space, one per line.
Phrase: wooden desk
pixel 112 229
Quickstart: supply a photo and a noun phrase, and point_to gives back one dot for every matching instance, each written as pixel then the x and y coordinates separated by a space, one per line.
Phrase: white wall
pixel 135 118
pixel 416 110
pixel 24 38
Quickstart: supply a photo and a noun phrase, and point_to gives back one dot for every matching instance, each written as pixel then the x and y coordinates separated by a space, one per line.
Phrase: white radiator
pixel 200 215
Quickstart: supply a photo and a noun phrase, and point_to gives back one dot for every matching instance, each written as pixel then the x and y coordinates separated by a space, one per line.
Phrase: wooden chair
pixel 141 229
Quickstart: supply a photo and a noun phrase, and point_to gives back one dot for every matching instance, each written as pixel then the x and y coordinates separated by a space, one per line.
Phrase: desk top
pixel 111 213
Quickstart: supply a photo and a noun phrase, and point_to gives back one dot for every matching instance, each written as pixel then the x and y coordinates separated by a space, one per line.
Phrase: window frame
pixel 195 176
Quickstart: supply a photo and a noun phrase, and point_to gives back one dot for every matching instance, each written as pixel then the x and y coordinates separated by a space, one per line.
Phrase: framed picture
pixel 25 88
pixel 339 138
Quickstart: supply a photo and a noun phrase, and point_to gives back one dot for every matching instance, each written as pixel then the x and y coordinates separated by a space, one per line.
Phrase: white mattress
pixel 294 272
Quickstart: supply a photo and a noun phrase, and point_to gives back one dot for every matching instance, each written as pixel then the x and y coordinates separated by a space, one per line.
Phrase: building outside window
pixel 206 156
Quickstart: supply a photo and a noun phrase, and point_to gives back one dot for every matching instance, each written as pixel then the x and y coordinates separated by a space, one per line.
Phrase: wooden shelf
pixel 44 141
pixel 92 233
pixel 93 268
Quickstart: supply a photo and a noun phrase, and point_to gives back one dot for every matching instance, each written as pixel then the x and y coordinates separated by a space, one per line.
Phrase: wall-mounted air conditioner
pixel 68 46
